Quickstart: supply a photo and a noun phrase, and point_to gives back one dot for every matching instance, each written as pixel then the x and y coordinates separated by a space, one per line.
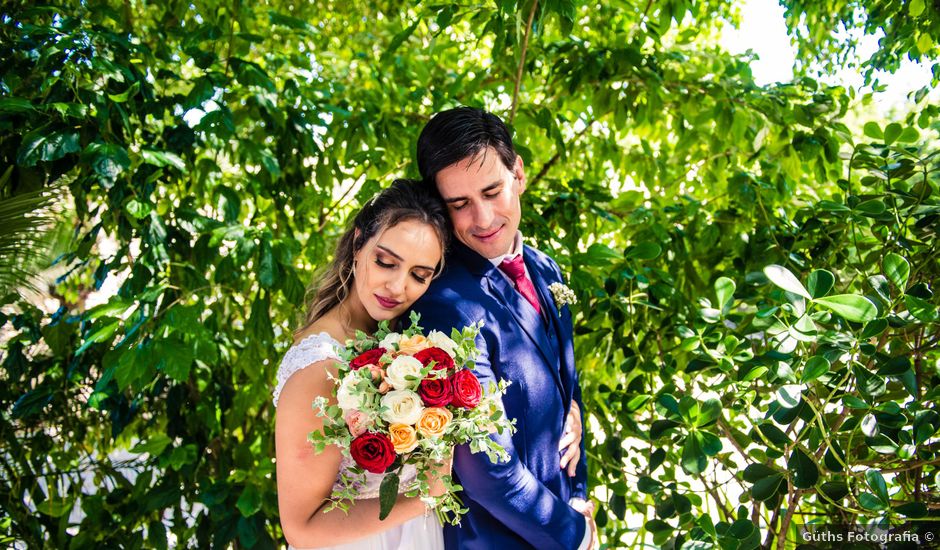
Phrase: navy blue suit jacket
pixel 522 503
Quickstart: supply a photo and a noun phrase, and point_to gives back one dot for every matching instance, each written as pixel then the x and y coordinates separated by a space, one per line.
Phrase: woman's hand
pixel 571 439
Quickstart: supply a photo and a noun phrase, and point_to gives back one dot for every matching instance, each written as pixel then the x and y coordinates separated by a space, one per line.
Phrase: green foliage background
pixel 210 153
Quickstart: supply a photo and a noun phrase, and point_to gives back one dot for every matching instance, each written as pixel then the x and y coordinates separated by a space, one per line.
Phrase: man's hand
pixel 586 508
pixel 571 439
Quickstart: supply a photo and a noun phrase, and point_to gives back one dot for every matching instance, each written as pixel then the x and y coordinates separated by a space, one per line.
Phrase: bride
pixel 383 263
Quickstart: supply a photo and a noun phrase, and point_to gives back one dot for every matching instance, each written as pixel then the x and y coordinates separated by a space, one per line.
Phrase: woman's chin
pixel 382 314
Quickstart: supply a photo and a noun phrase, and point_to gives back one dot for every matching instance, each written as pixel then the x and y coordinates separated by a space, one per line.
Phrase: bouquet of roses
pixel 408 399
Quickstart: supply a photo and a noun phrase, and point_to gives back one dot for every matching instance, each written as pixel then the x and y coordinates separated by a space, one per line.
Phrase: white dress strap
pixel 311 349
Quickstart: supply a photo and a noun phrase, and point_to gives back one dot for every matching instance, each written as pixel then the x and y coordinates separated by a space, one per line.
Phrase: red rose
pixel 436 392
pixel 442 359
pixel 467 389
pixel 373 452
pixel 370 357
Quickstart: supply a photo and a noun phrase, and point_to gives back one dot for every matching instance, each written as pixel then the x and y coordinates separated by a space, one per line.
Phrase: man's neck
pixel 514 250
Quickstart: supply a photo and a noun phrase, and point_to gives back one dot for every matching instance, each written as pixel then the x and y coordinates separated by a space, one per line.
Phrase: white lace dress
pixel 420 533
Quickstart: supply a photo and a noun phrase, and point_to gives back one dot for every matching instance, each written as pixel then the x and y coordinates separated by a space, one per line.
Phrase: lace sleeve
pixel 311 349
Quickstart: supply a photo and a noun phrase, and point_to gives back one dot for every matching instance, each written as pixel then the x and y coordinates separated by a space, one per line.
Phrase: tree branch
pixel 727 431
pixel 552 161
pixel 722 507
pixel 525 46
pixel 649 4
pixel 785 524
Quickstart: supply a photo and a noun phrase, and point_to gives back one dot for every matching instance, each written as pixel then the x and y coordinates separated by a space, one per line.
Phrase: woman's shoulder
pixel 313 347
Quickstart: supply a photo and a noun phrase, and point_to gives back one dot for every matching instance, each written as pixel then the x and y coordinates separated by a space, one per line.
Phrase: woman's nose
pixel 396 284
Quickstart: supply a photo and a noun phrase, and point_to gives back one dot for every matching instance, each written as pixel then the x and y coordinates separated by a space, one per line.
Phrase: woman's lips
pixel 387 303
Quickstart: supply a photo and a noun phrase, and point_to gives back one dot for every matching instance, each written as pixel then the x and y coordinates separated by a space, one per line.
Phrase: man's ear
pixel 518 172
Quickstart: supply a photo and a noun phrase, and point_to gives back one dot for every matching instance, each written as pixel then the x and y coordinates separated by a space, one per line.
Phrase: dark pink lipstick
pixel 387 303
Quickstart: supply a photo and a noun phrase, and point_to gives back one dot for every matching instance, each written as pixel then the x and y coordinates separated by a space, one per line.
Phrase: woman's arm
pixel 305 478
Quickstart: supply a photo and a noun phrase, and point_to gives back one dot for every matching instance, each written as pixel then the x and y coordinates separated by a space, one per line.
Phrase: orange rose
pixel 413 345
pixel 434 421
pixel 403 437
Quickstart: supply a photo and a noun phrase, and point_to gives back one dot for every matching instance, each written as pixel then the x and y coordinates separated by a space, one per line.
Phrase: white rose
pixel 402 366
pixel 404 407
pixel 346 396
pixel 391 339
pixel 440 340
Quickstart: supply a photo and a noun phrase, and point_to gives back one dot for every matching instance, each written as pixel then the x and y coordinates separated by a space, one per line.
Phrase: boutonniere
pixel 562 294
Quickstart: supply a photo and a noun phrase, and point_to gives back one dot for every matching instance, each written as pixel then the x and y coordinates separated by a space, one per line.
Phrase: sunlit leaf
pixel 783 278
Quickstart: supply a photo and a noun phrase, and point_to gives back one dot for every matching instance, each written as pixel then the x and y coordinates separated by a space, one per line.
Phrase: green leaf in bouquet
pixel 388 493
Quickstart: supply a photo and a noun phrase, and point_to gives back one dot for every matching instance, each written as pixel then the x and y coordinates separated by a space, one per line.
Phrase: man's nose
pixel 482 216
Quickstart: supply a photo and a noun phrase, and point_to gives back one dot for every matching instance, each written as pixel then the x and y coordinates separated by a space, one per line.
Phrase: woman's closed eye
pixel 419 276
pixel 422 275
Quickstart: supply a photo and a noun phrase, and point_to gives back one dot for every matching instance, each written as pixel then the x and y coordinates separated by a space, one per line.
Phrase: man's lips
pixel 387 303
pixel 488 236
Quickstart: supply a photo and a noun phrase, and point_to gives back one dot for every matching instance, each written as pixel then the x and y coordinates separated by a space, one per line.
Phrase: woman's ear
pixel 357 240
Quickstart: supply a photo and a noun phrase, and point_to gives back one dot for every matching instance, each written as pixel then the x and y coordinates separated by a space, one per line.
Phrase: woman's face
pixel 394 268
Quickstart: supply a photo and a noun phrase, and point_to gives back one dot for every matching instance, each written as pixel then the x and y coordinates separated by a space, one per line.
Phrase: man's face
pixel 482 196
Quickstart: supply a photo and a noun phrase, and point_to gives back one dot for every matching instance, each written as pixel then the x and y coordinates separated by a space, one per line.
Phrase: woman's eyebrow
pixel 392 253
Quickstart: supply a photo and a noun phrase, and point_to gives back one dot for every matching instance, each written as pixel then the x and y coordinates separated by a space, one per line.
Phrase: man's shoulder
pixel 542 259
pixel 455 289
pixel 455 275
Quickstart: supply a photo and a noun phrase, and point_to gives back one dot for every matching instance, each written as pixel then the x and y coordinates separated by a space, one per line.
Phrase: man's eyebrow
pixel 486 189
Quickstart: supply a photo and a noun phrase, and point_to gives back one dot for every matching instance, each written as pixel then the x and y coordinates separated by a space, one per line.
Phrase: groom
pixel 529 501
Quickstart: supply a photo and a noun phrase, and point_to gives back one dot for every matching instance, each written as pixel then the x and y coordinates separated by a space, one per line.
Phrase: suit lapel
pixel 522 312
pixel 541 278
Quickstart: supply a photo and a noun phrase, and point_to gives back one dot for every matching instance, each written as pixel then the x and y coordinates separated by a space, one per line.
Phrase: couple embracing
pixel 449 248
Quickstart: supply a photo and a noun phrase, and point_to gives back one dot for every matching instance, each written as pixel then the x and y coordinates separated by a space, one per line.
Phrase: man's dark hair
pixel 453 135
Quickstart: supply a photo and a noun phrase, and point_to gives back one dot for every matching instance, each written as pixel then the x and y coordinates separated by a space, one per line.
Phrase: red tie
pixel 515 269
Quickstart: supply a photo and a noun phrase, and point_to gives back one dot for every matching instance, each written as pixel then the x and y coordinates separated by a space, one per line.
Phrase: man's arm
pixel 579 485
